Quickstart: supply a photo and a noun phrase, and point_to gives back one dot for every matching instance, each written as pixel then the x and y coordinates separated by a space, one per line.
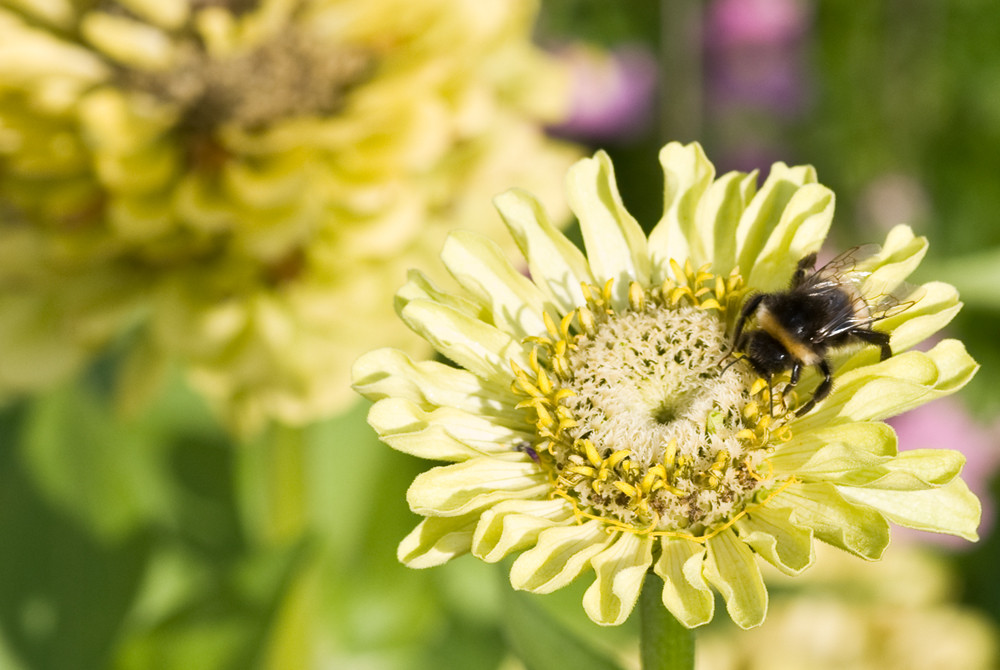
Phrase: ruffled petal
pixel 620 570
pixel 389 373
pixel 437 540
pixel 479 266
pixel 800 231
pixel 560 555
pixel 555 263
pixel 453 490
pixel 909 471
pixel 951 509
pixel 858 529
pixel 443 434
pixel 937 304
pixel 933 306
pixel 868 438
pixel 482 349
pixel 687 174
pixel 685 592
pixel 894 386
pixel 898 258
pixel 515 524
pixel 762 216
pixel 616 245
pixel 731 568
pixel 419 287
pixel 723 203
pixel 773 535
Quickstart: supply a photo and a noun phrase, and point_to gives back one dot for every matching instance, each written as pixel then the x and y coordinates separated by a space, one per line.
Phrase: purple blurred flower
pixel 754 50
pixel 946 423
pixel 613 93
pixel 741 23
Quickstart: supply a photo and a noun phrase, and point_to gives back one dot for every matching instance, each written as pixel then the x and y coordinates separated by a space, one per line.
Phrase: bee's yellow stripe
pixel 798 349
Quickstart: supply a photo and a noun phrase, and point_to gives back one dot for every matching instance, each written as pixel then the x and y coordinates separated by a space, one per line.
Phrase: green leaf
pixel 65 591
pixel 542 643
pixel 105 471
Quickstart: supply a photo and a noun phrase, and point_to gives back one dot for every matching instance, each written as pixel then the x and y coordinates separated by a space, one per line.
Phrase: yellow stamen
pixel 636 297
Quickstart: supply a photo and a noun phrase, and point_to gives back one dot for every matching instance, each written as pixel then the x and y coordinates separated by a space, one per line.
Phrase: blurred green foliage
pixel 150 541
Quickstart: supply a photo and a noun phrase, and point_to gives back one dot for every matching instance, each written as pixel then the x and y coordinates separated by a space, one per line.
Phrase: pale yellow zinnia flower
pixel 246 181
pixel 592 426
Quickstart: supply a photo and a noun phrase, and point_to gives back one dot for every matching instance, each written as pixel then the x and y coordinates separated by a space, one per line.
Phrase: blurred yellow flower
pixel 898 614
pixel 240 184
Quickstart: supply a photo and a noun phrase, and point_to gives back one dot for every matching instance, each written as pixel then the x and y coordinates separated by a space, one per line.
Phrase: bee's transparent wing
pixel 848 272
pixel 850 266
pixel 864 311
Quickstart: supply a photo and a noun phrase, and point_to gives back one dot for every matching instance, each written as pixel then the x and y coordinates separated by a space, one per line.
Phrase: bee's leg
pixel 770 397
pixel 748 308
pixel 792 381
pixel 875 337
pixel 803 268
pixel 822 391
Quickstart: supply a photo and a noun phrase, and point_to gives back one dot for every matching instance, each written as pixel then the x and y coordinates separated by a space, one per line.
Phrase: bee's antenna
pixel 736 359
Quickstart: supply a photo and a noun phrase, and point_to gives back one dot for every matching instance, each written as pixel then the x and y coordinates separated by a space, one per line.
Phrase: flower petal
pixel 724 202
pixel 453 490
pixel 556 265
pixel 479 266
pixel 801 230
pixel 898 258
pixel 764 212
pixel 783 544
pixel 858 529
pixel 894 385
pixel 730 567
pixel 620 570
pixel 909 471
pixel 437 540
pixel 914 470
pixel 513 525
pixel 937 305
pixel 443 434
pixel 687 174
pixel 868 437
pixel 616 245
pixel 951 509
pixel 482 349
pixel 419 287
pixel 685 592
pixel 560 555
pixel 390 373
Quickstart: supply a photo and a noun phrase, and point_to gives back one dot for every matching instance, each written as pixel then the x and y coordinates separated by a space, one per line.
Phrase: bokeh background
pixel 169 500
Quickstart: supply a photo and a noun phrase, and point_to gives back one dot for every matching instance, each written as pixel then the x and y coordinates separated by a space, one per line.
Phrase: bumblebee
pixel 822 309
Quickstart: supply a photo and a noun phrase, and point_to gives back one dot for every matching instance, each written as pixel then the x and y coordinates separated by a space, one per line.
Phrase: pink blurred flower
pixel 739 23
pixel 755 53
pixel 613 93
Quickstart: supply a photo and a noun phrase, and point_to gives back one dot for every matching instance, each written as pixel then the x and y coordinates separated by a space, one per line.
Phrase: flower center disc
pixel 652 431
pixel 650 383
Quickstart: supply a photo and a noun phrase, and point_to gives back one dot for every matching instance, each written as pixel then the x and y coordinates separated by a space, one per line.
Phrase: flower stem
pixel 664 643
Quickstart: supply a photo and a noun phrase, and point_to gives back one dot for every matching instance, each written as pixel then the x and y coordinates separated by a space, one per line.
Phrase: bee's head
pixel 767 354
